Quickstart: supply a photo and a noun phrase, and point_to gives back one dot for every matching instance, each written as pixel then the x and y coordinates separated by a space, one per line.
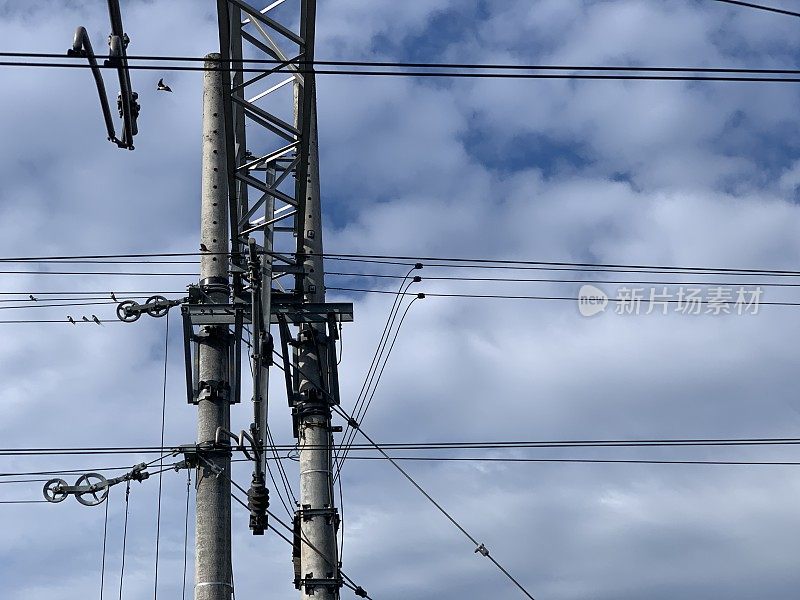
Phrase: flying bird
pixel 163 87
pixel 32 297
pixel 96 320
pixel 70 319
pixel 204 248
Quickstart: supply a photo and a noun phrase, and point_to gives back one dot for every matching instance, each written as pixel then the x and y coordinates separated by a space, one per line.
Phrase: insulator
pixel 258 503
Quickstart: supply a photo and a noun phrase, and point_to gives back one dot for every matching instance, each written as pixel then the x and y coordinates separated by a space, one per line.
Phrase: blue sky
pixel 624 172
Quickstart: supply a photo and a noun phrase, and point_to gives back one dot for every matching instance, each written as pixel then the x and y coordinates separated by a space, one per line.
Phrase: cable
pixel 780 11
pixel 124 537
pixel 497 73
pixel 480 548
pixel 287 486
pixel 161 460
pixel 360 417
pixel 499 263
pixel 699 302
pixel 304 539
pixel 115 273
pixel 62 321
pixel 513 444
pixel 557 280
pixel 23 501
pixel 425 65
pixel 186 532
pixel 137 294
pixel 62 472
pixel 401 290
pixel 582 461
pixel 411 260
pixel 105 538
pixel 9 300
pixel 42 305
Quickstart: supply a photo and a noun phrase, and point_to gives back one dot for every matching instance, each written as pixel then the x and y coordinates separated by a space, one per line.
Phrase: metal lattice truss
pixel 268 109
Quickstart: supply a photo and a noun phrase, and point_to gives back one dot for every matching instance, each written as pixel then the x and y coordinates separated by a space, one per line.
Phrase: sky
pixel 661 173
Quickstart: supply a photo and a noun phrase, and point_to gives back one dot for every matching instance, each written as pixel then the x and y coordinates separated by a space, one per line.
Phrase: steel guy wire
pixel 480 547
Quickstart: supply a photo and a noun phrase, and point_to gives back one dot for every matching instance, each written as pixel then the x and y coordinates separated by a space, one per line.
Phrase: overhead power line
pixel 428 261
pixel 498 73
pixel 418 64
pixel 557 280
pixel 490 459
pixel 459 445
pixel 521 297
pixel 772 9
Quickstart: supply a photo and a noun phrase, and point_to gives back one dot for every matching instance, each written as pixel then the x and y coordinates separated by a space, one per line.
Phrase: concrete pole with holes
pixel 213 520
pixel 319 568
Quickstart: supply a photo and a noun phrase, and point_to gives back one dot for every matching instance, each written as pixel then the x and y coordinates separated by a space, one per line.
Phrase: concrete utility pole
pixel 213 521
pixel 318 517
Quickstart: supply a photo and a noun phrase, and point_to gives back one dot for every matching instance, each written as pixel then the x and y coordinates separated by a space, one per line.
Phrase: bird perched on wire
pixel 70 319
pixel 96 320
pixel 163 87
pixel 113 297
pixel 85 318
pixel 32 297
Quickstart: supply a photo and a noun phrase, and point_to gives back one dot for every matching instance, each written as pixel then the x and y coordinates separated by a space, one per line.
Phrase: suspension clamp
pixel 309 583
pixel 330 513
